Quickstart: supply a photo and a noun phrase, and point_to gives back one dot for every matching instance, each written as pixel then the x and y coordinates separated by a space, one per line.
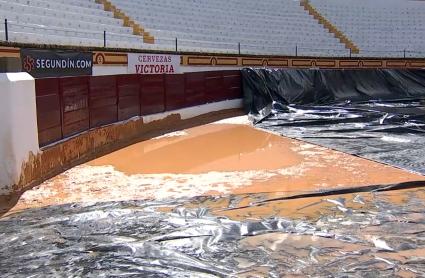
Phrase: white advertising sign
pixel 153 63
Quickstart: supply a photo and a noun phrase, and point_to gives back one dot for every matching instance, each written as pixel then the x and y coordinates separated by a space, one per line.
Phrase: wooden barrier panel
pixel 128 87
pixel 152 94
pixel 214 86
pixel 232 84
pixel 194 88
pixel 75 105
pixel 174 92
pixel 70 105
pixel 103 101
pixel 48 101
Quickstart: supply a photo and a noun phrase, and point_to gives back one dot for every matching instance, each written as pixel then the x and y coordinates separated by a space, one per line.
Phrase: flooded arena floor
pixel 223 199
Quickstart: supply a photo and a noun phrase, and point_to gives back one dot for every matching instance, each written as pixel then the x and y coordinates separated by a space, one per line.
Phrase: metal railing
pixel 12 31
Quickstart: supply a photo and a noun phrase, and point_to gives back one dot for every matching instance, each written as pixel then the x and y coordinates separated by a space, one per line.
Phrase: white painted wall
pixel 18 126
pixel 191 112
pixel 109 70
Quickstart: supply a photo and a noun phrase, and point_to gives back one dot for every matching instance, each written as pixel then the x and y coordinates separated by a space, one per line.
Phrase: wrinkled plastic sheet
pixel 357 235
pixel 376 114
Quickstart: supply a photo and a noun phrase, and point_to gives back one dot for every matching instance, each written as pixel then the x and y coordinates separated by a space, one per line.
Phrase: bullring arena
pixel 191 138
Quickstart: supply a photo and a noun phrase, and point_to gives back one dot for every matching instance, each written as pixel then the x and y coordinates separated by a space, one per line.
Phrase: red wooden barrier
pixel 174 92
pixel 75 105
pixel 152 94
pixel 103 100
pixel 70 105
pixel 48 110
pixel 195 88
pixel 214 86
pixel 128 87
pixel 232 84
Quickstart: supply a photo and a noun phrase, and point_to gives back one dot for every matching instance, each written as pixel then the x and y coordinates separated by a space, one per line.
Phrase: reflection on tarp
pixel 354 235
pixel 377 114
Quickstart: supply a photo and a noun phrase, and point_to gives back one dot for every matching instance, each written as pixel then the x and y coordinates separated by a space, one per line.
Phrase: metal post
pixel 404 53
pixel 177 45
pixel 104 38
pixel 239 48
pixel 350 52
pixel 6 31
pixel 296 50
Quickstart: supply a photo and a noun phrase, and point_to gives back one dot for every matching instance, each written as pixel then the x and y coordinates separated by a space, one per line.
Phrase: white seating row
pixel 65 22
pixel 388 28
pixel 393 28
pixel 266 27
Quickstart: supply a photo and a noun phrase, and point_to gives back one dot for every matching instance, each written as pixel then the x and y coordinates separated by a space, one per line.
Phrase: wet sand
pixel 211 160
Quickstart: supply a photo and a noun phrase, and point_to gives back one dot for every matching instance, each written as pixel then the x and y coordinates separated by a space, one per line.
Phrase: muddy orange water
pixel 214 159
pixel 211 148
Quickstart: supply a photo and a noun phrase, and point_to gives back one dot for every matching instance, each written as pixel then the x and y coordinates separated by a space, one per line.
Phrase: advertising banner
pixel 53 63
pixel 153 63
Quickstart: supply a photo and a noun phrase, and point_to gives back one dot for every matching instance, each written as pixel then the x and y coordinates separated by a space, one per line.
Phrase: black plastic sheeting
pixel 141 239
pixel 376 114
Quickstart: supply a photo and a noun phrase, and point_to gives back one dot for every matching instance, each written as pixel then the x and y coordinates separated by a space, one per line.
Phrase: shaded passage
pixel 351 235
pixel 377 114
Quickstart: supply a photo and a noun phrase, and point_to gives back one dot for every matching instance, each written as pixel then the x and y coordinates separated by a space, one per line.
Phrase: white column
pixel 18 126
